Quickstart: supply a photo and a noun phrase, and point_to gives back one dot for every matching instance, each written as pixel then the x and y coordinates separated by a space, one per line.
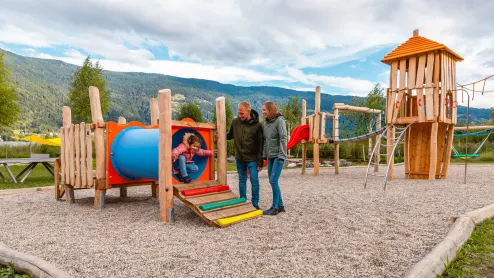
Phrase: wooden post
pixel 82 139
pixel 433 151
pixel 304 143
pixel 317 125
pixel 447 153
pixel 378 148
pixel 154 108
pixel 123 189
pixel 58 192
pixel 336 137
pixel 221 127
pixel 165 156
pixel 390 158
pixel 99 138
pixel 153 103
pixel 67 123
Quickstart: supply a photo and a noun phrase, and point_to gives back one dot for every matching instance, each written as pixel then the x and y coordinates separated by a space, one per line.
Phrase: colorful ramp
pixel 215 203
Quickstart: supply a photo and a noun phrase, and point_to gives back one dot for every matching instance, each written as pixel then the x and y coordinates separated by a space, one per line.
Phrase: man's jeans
pixel 254 180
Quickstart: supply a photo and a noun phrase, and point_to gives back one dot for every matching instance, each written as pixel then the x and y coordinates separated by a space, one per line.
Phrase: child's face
pixel 196 146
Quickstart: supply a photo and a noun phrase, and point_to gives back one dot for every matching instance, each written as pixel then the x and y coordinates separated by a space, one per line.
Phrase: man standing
pixel 247 133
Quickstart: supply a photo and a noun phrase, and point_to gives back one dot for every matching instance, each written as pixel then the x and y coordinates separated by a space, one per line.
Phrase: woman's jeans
pixel 274 172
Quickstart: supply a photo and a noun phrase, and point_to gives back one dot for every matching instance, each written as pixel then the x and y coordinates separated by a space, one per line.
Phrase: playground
pixel 332 227
pixel 117 207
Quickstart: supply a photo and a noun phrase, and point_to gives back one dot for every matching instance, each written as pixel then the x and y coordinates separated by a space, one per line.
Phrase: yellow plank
pixel 230 220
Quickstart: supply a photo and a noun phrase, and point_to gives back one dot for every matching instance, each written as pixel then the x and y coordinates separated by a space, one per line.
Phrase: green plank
pixel 221 204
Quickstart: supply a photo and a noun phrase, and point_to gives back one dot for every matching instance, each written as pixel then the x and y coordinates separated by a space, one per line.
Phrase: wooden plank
pixel 89 157
pixel 433 151
pixel 71 155
pixel 221 143
pixel 390 139
pixel 336 136
pixel 62 155
pixel 317 125
pixel 435 81
pixel 447 153
pixel 444 89
pixel 228 212
pixel 412 72
pixel 323 126
pixel 441 147
pixel 393 81
pixel 196 185
pixel 217 197
pixel 226 207
pixel 212 162
pixel 165 151
pixel 429 97
pixel 419 81
pixel 77 163
pixel 82 167
pixel 67 154
pixel 304 144
pixel 453 89
pixel 194 125
pixel 399 101
pixel 420 105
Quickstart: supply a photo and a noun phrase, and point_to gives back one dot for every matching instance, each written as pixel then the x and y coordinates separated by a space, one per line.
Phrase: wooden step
pixel 227 212
pixel 211 198
pixel 195 185
pixel 223 208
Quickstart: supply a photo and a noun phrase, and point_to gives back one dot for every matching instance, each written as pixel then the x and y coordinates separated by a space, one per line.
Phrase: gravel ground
pixel 332 228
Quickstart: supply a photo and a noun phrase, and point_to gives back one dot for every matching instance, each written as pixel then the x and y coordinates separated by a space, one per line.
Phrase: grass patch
pixel 38 177
pixel 9 272
pixel 476 258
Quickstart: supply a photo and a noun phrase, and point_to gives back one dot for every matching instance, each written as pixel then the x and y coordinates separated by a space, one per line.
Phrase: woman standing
pixel 275 140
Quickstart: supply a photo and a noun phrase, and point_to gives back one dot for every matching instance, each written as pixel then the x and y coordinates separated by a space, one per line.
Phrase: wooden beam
pixel 99 138
pixel 390 159
pixel 435 81
pixel 67 121
pixel 341 106
pixel 317 125
pixel 165 155
pixel 378 148
pixel 336 136
pixel 304 144
pixel 433 151
pixel 397 104
pixel 393 82
pixel 480 127
pixel 194 125
pixel 429 97
pixel 221 128
pixel 447 153
pixel 154 109
pixel 123 189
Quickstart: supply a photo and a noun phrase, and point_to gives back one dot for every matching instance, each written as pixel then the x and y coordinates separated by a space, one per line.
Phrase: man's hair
pixel 245 104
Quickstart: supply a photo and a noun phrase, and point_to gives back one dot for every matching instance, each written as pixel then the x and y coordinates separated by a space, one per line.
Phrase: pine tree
pixel 190 110
pixel 88 75
pixel 9 108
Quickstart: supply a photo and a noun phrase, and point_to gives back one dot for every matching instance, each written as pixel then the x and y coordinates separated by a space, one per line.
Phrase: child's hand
pixel 174 157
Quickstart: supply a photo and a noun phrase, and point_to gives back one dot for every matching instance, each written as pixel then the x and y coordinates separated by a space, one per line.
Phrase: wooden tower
pixel 422 92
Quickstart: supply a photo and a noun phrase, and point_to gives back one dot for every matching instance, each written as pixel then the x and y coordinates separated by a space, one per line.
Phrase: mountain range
pixel 43 86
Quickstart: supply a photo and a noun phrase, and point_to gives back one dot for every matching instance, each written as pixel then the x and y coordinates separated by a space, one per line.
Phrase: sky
pixel 337 45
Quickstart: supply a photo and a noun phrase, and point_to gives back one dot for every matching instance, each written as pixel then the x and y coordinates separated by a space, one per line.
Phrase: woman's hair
pixel 271 108
pixel 194 139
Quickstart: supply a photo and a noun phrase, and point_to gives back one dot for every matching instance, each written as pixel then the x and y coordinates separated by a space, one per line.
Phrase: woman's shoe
pixel 271 211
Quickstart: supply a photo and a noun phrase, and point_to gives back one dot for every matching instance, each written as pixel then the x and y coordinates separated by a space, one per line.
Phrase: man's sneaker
pixel 271 211
pixel 187 179
pixel 281 209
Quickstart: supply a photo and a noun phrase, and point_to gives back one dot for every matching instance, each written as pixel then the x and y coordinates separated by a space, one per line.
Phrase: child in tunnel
pixel 182 156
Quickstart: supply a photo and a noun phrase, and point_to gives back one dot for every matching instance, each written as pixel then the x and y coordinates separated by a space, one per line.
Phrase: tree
pixel 88 75
pixel 292 112
pixel 9 109
pixel 375 99
pixel 190 110
pixel 492 112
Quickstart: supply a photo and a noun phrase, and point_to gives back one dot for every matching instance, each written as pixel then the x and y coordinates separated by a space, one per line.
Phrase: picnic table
pixel 31 163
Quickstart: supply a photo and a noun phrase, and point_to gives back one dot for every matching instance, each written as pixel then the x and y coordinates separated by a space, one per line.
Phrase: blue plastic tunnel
pixel 134 153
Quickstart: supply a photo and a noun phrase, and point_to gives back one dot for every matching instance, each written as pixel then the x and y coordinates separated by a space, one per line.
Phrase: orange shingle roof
pixel 416 45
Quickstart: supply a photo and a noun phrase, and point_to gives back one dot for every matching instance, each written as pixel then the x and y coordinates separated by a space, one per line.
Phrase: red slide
pixel 299 133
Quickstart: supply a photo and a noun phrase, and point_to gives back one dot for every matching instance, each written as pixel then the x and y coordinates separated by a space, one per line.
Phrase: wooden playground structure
pixel 136 155
pixel 421 105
